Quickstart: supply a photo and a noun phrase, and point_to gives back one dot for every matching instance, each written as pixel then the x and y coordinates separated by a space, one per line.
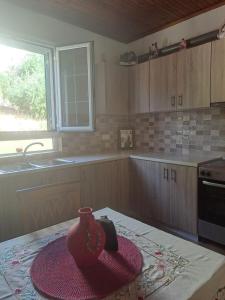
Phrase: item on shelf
pixel 126 137
pixel 128 59
pixel 221 34
pixel 86 240
pixel 111 242
pixel 154 50
pixel 183 44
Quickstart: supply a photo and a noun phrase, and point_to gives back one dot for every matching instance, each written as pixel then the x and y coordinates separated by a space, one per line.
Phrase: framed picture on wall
pixel 126 139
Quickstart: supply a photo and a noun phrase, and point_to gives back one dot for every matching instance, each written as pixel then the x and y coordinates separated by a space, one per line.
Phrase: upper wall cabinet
pixel 181 80
pixel 163 83
pixel 218 71
pixel 139 88
pixel 193 77
pixel 111 89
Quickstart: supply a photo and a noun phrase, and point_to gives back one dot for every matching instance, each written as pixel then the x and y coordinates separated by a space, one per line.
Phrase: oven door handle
pixel 219 185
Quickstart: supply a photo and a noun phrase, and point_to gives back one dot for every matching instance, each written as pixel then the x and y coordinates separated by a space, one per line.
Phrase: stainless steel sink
pixel 29 166
pixel 17 168
pixel 51 163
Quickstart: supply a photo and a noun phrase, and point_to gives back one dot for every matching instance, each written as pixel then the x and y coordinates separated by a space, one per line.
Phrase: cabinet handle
pixel 173 175
pixel 173 100
pixel 166 174
pixel 180 100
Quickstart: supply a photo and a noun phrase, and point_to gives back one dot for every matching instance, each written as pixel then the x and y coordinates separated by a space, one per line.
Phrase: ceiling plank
pixel 123 20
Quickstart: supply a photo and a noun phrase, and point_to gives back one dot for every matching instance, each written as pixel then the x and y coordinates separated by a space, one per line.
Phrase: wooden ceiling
pixel 123 20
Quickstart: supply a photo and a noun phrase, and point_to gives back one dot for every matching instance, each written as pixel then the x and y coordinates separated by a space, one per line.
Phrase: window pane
pixel 74 87
pixel 22 90
pixel 10 147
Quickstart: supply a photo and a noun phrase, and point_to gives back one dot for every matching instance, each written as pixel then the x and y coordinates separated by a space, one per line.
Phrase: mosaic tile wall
pixel 202 130
pixel 103 139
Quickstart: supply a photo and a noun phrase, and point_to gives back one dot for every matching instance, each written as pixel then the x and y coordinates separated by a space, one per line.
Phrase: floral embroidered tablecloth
pixel 163 266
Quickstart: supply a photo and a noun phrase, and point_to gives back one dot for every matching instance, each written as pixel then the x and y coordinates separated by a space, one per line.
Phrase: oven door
pixel 211 210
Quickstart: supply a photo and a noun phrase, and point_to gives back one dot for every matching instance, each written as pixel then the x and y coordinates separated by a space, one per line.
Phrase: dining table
pixel 173 268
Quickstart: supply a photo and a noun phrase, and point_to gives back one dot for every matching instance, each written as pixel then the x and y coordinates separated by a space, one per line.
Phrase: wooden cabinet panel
pixel 163 83
pixel 100 88
pixel 106 184
pixel 163 194
pixel 47 205
pixel 111 89
pixel 218 71
pixel 157 103
pixel 133 89
pixel 166 193
pixel 39 181
pixel 193 77
pixel 183 193
pixel 142 188
pixel 139 88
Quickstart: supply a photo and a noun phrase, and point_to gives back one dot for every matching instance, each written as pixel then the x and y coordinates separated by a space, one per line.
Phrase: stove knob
pixel 202 173
pixel 208 173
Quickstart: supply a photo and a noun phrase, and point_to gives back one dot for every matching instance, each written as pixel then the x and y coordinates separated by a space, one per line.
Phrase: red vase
pixel 86 240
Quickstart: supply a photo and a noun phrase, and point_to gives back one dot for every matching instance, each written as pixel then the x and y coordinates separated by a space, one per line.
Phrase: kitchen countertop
pixel 194 159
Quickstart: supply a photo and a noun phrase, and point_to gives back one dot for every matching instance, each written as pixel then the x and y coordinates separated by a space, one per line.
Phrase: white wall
pixel 27 25
pixel 193 27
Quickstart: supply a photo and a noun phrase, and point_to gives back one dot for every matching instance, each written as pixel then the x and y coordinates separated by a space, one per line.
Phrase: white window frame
pixel 89 47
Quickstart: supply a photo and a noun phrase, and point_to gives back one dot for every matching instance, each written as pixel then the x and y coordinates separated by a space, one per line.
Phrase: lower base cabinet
pixel 106 184
pixel 166 193
pixel 32 201
pixel 47 205
pixel 145 189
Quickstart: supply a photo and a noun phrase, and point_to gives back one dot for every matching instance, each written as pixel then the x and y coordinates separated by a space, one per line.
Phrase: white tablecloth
pixel 174 269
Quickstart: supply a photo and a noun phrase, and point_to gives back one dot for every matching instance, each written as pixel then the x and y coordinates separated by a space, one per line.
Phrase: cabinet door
pixel 106 184
pixel 162 203
pixel 47 205
pixel 218 71
pixel 100 88
pixel 163 83
pixel 133 89
pixel 193 77
pixel 183 193
pixel 139 88
pixel 116 89
pixel 148 190
pixel 142 191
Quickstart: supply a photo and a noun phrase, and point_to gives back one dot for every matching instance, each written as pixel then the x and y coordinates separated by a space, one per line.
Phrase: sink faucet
pixel 27 147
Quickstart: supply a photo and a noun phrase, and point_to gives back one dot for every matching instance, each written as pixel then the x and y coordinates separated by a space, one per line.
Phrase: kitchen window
pixel 40 95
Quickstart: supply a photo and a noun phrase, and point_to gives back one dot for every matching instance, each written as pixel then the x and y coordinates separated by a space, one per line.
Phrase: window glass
pixel 75 82
pixel 13 147
pixel 24 90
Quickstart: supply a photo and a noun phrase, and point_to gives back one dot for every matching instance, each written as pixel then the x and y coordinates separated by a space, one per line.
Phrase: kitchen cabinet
pixel 166 193
pixel 218 71
pixel 142 188
pixel 183 195
pixel 34 200
pixel 163 76
pixel 47 205
pixel 139 77
pixel 111 89
pixel 106 184
pixel 193 77
pixel 181 80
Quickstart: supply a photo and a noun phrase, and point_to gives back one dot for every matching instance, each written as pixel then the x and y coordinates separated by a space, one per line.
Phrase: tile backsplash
pixel 103 139
pixel 183 132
